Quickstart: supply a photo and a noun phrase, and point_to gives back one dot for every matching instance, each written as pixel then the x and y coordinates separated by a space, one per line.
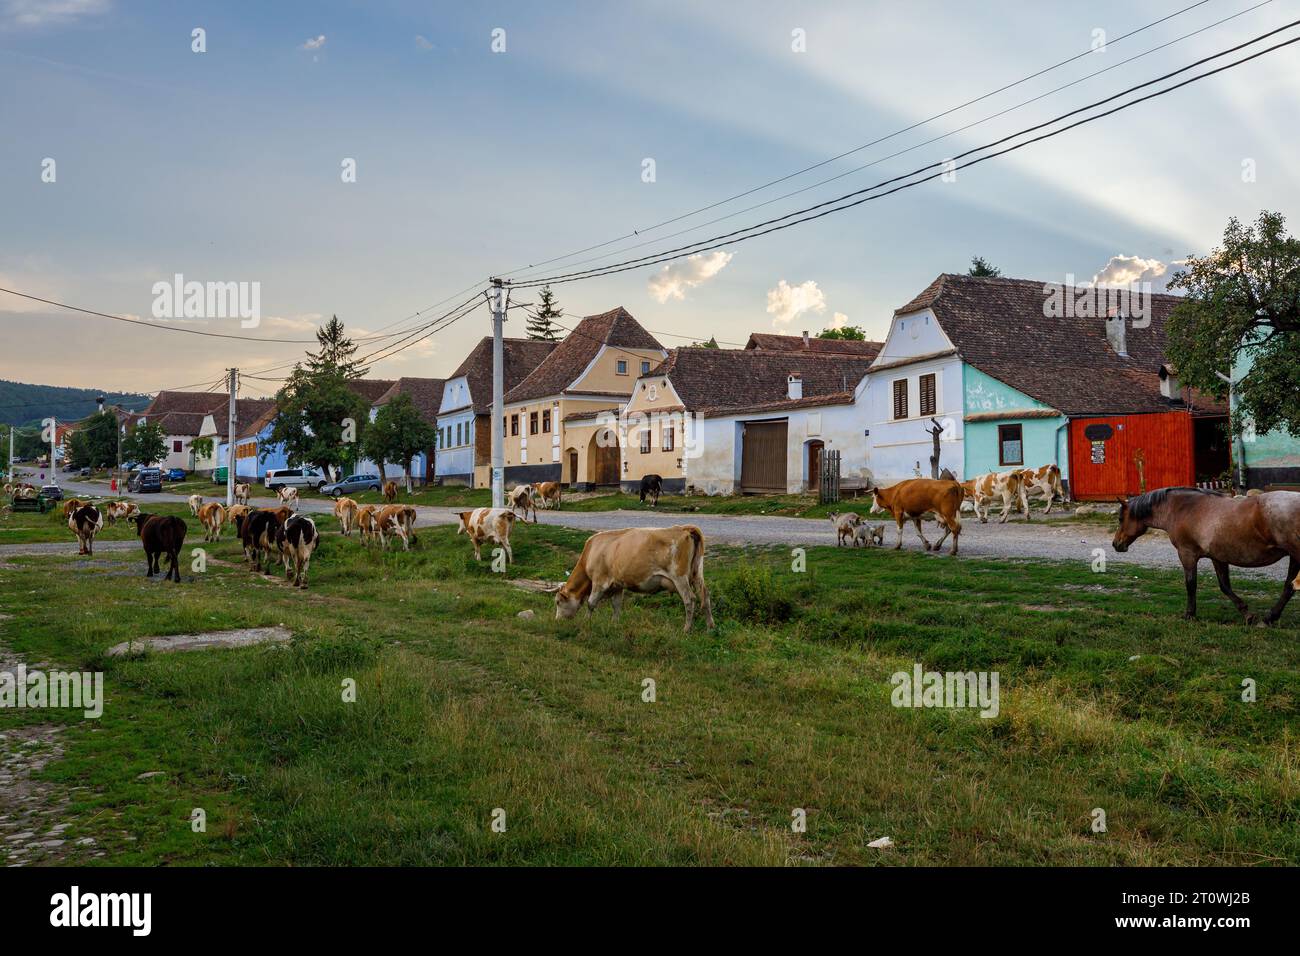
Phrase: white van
pixel 296 477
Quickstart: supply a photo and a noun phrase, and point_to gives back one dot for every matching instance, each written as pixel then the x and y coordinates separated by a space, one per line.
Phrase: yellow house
pixel 561 421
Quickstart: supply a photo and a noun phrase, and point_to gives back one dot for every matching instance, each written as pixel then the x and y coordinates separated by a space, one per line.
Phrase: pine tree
pixel 540 325
pixel 982 268
pixel 337 352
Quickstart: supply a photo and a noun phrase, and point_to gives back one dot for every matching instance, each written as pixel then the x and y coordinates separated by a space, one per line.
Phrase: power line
pixel 856 149
pixel 950 164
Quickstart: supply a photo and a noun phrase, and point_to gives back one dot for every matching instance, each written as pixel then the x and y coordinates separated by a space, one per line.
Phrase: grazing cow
pixel 234 513
pixel 1047 481
pixel 85 523
pixel 1007 485
pixel 257 531
pixel 117 510
pixel 394 521
pixel 296 541
pixel 195 503
pixel 844 525
pixel 913 498
pixel 366 522
pixel 651 485
pixel 522 499
pixel 548 493
pixel 242 491
pixel 71 505
pixel 866 536
pixel 488 524
pixel 640 560
pixel 390 492
pixel 212 516
pixel 161 534
pixel 288 496
pixel 345 510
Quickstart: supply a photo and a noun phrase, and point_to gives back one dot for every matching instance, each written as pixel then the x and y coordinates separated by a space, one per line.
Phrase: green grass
pixel 463 707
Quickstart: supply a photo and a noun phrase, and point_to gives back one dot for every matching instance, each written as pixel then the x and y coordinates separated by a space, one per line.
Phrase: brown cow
pixel 212 516
pixel 488 524
pixel 390 492
pixel 161 534
pixel 345 510
pixel 1046 480
pixel 366 522
pixel 234 513
pixel 522 499
pixel 548 493
pixel 1007 485
pixel 85 523
pixel 640 560
pixel 397 521
pixel 913 498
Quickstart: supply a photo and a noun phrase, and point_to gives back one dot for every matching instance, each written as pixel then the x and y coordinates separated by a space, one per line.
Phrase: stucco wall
pixel 1045 439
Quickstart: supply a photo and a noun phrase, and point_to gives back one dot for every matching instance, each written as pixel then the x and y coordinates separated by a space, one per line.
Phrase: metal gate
pixel 762 457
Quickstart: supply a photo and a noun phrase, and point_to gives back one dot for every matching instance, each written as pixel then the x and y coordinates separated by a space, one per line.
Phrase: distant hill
pixel 23 404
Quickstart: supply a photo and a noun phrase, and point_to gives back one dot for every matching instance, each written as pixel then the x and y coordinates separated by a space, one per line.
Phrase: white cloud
pixel 304 322
pixel 839 320
pixel 38 13
pixel 1125 270
pixel 787 302
pixel 672 281
pixel 423 42
pixel 315 43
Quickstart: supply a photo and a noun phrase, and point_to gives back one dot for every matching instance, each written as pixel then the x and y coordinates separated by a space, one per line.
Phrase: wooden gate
pixel 607 463
pixel 1129 454
pixel 762 457
pixel 828 475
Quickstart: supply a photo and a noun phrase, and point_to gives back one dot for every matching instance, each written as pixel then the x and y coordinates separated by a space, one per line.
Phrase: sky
pixel 486 138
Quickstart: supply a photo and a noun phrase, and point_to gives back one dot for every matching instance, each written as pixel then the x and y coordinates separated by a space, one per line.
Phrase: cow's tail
pixel 697 572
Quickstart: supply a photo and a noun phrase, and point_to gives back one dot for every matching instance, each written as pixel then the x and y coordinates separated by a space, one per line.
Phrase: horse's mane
pixel 1142 506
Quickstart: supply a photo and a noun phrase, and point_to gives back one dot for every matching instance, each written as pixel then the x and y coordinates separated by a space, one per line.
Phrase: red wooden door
pixel 1097 456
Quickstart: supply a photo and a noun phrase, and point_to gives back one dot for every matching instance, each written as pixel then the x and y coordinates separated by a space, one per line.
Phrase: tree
pixel 851 333
pixel 314 408
pixel 541 326
pixel 398 434
pixel 146 444
pixel 202 448
pixel 712 343
pixel 94 443
pixel 1242 306
pixel 982 268
pixel 337 352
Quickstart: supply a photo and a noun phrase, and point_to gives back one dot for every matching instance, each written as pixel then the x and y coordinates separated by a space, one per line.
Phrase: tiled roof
pixel 739 379
pixel 370 388
pixel 572 355
pixel 1001 327
pixel 521 357
pixel 248 411
pixel 795 343
pixel 169 401
pixel 426 395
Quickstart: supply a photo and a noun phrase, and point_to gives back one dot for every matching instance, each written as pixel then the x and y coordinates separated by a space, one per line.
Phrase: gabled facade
pixel 426 396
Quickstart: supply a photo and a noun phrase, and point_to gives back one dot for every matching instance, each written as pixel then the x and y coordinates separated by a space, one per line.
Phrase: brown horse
pixel 1247 532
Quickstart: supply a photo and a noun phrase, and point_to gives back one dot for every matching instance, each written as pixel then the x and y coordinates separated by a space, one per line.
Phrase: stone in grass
pixel 884 843
pixel 526 615
pixel 149 775
pixel 245 637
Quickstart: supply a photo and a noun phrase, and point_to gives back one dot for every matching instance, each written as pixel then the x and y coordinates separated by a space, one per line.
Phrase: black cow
pixel 161 534
pixel 296 539
pixel 653 486
pixel 257 531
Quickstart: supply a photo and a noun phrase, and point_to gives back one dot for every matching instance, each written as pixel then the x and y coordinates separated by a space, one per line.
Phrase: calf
pixel 161 534
pixel 288 496
pixel 913 498
pixel 522 499
pixel 345 510
pixel 844 525
pixel 85 523
pixel 242 492
pixel 195 503
pixel 1045 480
pixel 397 521
pixel 212 516
pixel 640 560
pixel 488 524
pixel 366 522
pixel 548 493
pixel 297 540
pixel 1006 485
pixel 390 492
pixel 651 485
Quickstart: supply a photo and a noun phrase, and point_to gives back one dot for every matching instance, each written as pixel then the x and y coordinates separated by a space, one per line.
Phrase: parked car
pixel 145 480
pixel 52 493
pixel 83 473
pixel 175 474
pixel 295 477
pixel 351 484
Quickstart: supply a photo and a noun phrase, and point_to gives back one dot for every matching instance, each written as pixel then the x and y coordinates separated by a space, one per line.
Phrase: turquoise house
pixel 1271 458
pixel 1005 428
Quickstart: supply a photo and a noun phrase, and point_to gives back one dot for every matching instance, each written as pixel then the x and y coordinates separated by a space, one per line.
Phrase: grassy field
pixel 1108 700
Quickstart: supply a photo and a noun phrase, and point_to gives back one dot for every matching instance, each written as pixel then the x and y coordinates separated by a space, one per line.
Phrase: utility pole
pixel 498 395
pixel 230 439
pixel 54 434
pixel 1239 445
pixel 9 475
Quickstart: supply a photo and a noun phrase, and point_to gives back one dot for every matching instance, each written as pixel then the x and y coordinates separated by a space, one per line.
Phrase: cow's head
pixel 464 516
pixel 140 518
pixel 566 603
pixel 878 500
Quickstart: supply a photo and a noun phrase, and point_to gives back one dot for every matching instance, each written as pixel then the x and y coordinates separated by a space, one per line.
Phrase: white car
pixel 295 477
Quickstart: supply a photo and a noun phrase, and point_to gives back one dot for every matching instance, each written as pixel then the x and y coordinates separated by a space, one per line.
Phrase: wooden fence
pixel 828 485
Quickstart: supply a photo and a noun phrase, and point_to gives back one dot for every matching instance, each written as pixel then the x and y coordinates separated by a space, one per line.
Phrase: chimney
pixel 795 385
pixel 1115 334
pixel 1169 386
pixel 805 338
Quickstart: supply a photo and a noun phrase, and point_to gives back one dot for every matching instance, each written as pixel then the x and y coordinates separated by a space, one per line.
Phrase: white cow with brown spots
pixel 117 510
pixel 985 489
pixel 195 503
pixel 1045 480
pixel 396 521
pixel 548 493
pixel 640 560
pixel 288 496
pixel 212 516
pixel 242 491
pixel 522 499
pixel 488 524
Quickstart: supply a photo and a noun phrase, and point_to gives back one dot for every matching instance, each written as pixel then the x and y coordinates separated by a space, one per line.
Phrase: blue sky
pixel 225 165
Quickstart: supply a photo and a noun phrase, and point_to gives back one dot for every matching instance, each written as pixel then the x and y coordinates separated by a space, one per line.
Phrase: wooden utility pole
pixel 230 439
pixel 497 422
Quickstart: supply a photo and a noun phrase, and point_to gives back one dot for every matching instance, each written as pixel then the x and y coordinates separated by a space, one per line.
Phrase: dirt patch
pixel 243 637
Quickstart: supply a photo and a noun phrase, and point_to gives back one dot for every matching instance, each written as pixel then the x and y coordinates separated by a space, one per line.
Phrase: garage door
pixel 762 460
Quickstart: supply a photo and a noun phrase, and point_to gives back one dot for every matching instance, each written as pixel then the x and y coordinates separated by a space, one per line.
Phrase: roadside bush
pixel 752 594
